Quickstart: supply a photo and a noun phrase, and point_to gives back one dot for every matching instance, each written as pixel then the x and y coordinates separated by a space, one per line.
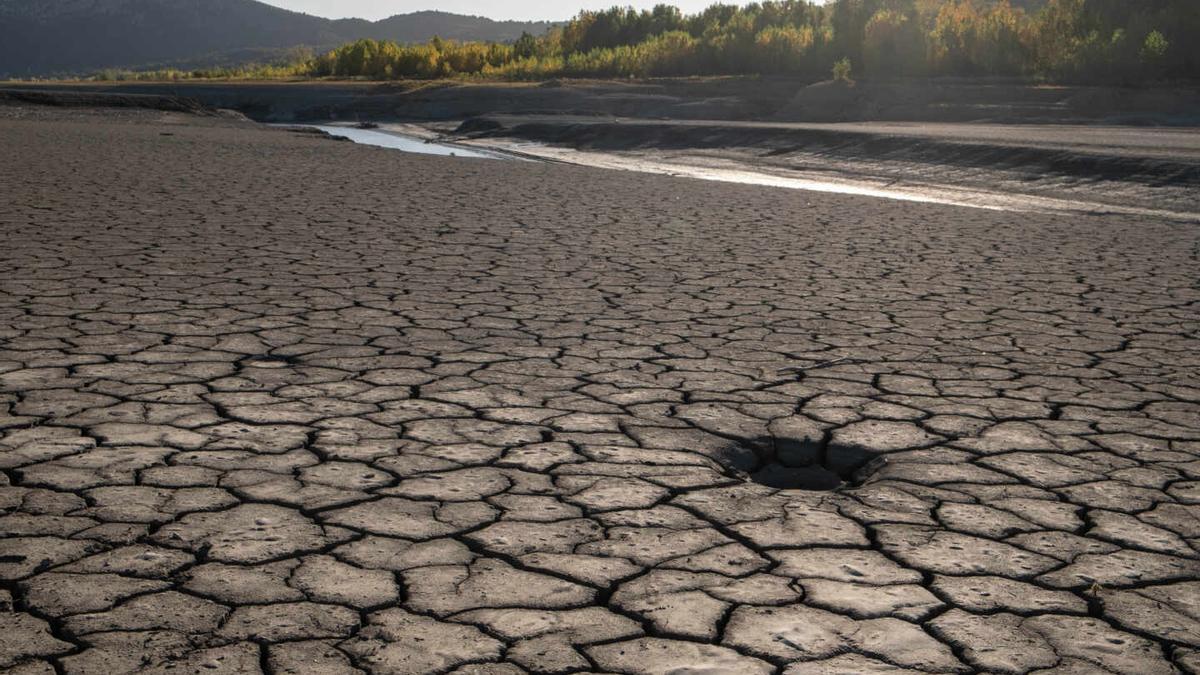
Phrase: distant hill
pixel 45 37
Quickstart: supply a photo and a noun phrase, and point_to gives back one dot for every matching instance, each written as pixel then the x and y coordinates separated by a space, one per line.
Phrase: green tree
pixel 783 49
pixel 893 44
pixel 525 47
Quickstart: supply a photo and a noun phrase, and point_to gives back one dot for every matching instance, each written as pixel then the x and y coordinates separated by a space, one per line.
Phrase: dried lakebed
pixel 277 404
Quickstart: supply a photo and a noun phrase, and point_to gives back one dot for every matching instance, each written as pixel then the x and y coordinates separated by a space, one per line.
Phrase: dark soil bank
pixel 85 98
pixel 735 98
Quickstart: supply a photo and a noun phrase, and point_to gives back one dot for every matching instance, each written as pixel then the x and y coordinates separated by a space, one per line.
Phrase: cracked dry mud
pixel 273 403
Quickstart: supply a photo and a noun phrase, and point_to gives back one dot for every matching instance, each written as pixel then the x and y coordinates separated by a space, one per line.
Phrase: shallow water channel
pixel 708 168
pixel 398 141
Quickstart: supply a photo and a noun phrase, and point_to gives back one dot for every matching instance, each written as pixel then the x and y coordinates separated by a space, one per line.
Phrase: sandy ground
pixel 272 403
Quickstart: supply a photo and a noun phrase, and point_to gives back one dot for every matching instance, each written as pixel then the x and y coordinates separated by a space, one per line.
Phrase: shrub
pixel 1154 49
pixel 842 70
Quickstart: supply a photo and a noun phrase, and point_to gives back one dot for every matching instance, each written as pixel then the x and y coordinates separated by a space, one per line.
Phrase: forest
pixel 1094 41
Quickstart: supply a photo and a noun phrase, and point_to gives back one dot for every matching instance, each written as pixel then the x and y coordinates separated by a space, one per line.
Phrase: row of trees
pixel 1063 40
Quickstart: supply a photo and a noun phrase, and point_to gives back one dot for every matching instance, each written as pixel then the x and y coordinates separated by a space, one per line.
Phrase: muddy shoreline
pixel 783 99
pixel 1035 141
pixel 1119 167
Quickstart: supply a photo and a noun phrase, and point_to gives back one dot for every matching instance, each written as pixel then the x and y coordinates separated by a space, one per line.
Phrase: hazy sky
pixel 510 9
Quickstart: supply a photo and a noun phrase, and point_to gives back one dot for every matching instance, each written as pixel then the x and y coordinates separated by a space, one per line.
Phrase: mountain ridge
pixel 47 37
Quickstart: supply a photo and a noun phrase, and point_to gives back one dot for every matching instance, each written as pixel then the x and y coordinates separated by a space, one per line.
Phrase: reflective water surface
pixel 724 170
pixel 398 141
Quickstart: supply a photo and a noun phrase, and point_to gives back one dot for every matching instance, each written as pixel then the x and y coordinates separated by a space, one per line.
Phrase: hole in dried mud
pixel 780 477
pixel 265 361
pixel 790 464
